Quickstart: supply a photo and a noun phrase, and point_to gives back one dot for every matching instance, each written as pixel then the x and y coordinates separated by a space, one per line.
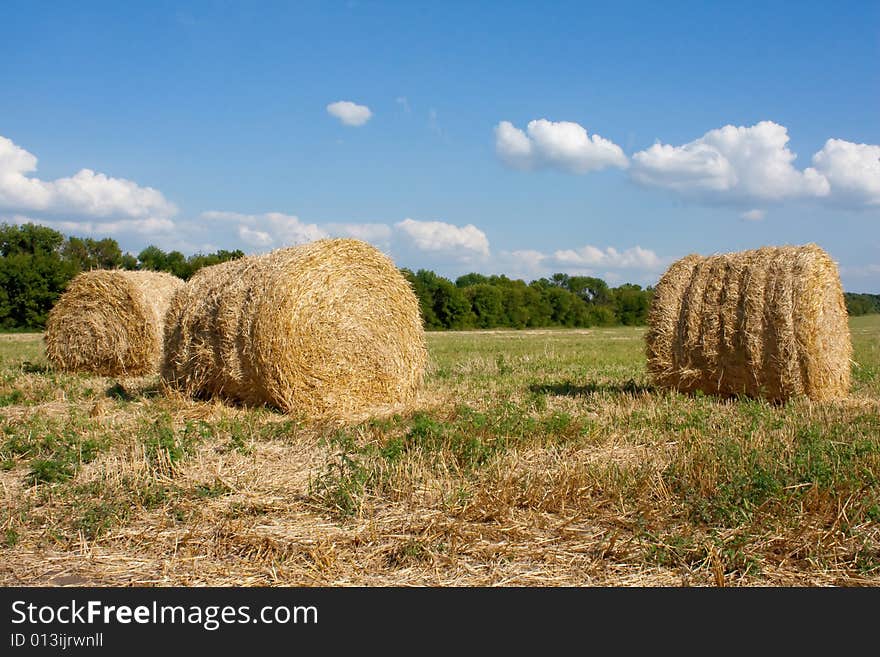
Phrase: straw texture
pixel 768 323
pixel 110 322
pixel 327 329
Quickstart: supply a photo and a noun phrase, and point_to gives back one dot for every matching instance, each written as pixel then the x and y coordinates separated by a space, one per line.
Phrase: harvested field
pixel 531 458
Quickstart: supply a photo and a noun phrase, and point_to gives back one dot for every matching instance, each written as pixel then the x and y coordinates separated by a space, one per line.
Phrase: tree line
pixel 37 262
pixel 862 304
pixel 477 301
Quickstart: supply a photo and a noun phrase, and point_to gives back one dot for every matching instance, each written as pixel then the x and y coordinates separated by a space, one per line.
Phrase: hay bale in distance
pixel 110 322
pixel 326 329
pixel 768 323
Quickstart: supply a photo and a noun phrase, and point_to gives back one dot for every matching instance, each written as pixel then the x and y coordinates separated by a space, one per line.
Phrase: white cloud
pixel 288 229
pixel 590 256
pixel 561 145
pixel 736 165
pixel 529 258
pixel 254 237
pixel 125 204
pixel 733 163
pixel 513 146
pixel 635 264
pixel 403 102
pixel 350 113
pixel 274 229
pixel 753 215
pixel 439 236
pixel 268 229
pixel 222 215
pixel 375 233
pixel 443 246
pixel 526 264
pixel 150 226
pixel 740 164
pixel 853 171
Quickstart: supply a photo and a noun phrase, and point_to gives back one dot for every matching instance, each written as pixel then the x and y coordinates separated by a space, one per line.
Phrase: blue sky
pixel 518 138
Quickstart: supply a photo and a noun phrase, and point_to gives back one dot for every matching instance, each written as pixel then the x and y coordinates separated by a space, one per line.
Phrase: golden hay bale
pixel 769 323
pixel 327 329
pixel 111 322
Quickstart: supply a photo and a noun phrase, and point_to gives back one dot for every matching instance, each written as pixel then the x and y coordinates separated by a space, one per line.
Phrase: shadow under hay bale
pixel 768 323
pixel 110 322
pixel 569 389
pixel 327 329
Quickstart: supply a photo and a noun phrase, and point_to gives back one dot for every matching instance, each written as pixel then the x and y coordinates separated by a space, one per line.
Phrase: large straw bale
pixel 326 329
pixel 110 322
pixel 768 323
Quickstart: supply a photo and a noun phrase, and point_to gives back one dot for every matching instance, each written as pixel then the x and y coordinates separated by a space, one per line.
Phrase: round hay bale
pixel 768 323
pixel 110 322
pixel 327 329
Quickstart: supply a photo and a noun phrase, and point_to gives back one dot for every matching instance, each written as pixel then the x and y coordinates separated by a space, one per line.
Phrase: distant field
pixel 533 458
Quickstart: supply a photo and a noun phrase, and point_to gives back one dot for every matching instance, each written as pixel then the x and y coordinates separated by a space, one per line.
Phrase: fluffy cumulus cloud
pixel 852 170
pixel 143 227
pixel 527 264
pixel 103 203
pixel 254 237
pixel 635 264
pixel 528 259
pixel 267 230
pixel 413 243
pixel 555 144
pixel 610 258
pixel 441 237
pixel 350 113
pixel 378 234
pixel 738 163
pixel 753 164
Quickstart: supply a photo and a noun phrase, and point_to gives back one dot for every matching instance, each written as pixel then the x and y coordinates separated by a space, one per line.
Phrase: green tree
pixel 129 262
pixel 29 239
pixel 451 306
pixel 176 263
pixel 442 304
pixel 87 253
pixel 470 279
pixel 32 274
pixel 631 304
pixel 590 289
pixel 197 261
pixel 153 258
pixel 539 308
pixel 487 304
pixel 422 283
pixel 567 309
pixel 862 304
pixel 516 304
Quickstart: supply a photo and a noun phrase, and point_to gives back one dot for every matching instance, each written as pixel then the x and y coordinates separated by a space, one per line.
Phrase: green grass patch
pixel 11 398
pixel 342 486
pixel 52 451
pixel 727 480
pixel 165 446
